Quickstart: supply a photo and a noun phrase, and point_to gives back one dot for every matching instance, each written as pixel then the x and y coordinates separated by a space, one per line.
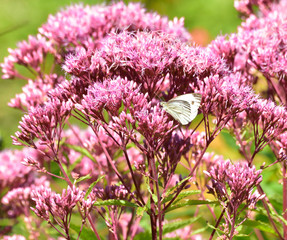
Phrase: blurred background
pixel 20 18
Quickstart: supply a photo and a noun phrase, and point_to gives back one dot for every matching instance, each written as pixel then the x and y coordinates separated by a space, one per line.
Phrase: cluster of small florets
pixel 233 184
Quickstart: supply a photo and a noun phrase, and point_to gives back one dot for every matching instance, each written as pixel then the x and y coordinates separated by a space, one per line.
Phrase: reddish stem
pixel 217 224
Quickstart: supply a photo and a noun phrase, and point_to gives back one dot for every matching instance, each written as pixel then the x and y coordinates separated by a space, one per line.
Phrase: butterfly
pixel 183 108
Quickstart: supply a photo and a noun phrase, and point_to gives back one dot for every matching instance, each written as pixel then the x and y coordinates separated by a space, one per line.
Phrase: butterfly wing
pixel 179 110
pixel 194 101
pixel 184 108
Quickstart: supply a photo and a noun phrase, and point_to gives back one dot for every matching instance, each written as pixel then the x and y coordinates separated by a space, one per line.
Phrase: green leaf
pixel 86 232
pixel 141 210
pixel 118 154
pixel 200 230
pixel 131 145
pixel 259 225
pixel 160 183
pixel 143 236
pixel 274 215
pixel 181 195
pixel 105 115
pixel 220 232
pixel 154 197
pixel 190 202
pixel 82 150
pixel 122 107
pixel 72 166
pixel 115 202
pixel 277 216
pixel 176 186
pixel 65 168
pixel 172 226
pixel 92 186
pixel 212 227
pixel 83 178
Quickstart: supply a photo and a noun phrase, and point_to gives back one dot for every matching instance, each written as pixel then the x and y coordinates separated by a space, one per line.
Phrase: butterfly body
pixel 183 108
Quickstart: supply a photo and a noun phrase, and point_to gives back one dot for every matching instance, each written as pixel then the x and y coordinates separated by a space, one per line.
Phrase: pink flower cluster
pixel 59 206
pixel 233 184
pixel 12 172
pixel 29 54
pixel 85 25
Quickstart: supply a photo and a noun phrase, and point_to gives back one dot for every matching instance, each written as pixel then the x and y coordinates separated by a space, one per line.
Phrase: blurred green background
pixel 19 18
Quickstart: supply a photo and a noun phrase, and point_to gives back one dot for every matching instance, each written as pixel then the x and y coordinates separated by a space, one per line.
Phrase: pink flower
pixel 18 200
pixel 233 184
pixel 44 122
pixel 12 173
pixel 29 54
pixel 87 25
pixel 110 192
pixel 50 204
pixel 247 6
pixel 111 95
pixel 35 92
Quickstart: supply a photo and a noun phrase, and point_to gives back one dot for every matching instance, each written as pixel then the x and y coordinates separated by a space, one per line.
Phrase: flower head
pixel 50 204
pixel 42 122
pixel 87 25
pixel 28 54
pixel 18 200
pixel 234 184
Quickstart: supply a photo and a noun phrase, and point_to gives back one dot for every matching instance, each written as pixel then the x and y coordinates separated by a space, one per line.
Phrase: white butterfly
pixel 183 108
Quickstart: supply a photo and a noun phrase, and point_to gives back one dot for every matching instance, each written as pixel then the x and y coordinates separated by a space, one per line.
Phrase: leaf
pixel 122 107
pixel 105 115
pixel 181 196
pixel 200 230
pixel 190 202
pixel 141 210
pixel 65 168
pixel 176 186
pixel 82 150
pixel 75 163
pixel 274 215
pixel 131 145
pixel 92 186
pixel 86 232
pixel 115 202
pixel 160 183
pixel 212 227
pixel 83 178
pixel 220 232
pixel 118 154
pixel 259 225
pixel 154 197
pixel 143 236
pixel 172 226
